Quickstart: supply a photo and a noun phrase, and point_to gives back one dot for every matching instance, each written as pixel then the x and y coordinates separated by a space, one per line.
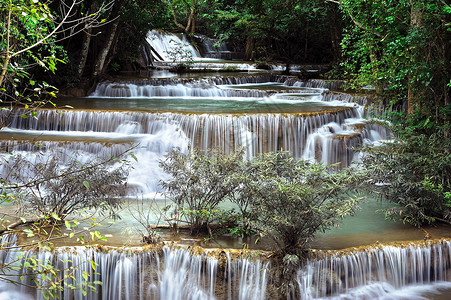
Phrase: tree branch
pixel 48 36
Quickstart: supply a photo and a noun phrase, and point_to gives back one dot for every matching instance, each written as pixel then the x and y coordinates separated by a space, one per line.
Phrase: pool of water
pixel 366 227
pixel 216 105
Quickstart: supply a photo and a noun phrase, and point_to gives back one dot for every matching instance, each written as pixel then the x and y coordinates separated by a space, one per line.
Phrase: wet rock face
pixel 329 282
pixel 75 92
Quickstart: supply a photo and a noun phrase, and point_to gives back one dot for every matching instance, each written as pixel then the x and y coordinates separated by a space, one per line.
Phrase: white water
pixel 166 44
pixel 325 137
pixel 388 273
pixel 157 134
pixel 136 274
pixel 213 49
pixel 174 49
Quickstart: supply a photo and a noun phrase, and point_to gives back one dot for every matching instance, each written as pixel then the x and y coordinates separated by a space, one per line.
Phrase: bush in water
pixel 57 185
pixel 294 199
pixel 199 181
pixel 287 199
pixel 414 173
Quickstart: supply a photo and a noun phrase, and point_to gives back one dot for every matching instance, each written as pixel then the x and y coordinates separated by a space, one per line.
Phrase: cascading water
pixel 173 274
pixel 214 49
pixel 386 273
pixel 164 48
pixel 225 113
pixel 169 45
pixel 383 272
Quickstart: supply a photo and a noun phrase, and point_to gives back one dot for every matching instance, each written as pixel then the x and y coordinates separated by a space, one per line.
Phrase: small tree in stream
pixel 59 185
pixel 48 191
pixel 294 199
pixel 416 174
pixel 287 199
pixel 199 181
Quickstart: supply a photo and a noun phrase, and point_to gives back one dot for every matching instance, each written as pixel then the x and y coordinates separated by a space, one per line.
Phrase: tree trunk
pixel 111 53
pixel 7 50
pixel 84 52
pixel 306 42
pixel 101 58
pixel 110 37
pixel 190 27
pixel 374 65
pixel 19 223
pixel 156 53
pixel 249 51
pixel 4 68
pixel 86 43
pixel 412 97
pixel 193 23
pixel 190 21
pixel 334 30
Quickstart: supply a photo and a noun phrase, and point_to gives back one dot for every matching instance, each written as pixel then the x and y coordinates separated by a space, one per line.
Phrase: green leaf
pixel 86 184
pixel 133 156
pixel 56 217
pixel 93 265
pixel 29 232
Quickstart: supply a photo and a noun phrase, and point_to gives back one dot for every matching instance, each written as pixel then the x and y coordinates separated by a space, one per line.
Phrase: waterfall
pixel 211 87
pixel 383 272
pixel 102 135
pixel 211 45
pixel 260 113
pixel 256 132
pixel 378 273
pixel 172 274
pixel 168 45
pixel 327 137
pixel 213 49
pixel 121 90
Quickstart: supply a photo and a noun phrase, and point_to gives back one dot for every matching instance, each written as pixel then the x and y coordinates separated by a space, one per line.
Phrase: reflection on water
pixel 366 227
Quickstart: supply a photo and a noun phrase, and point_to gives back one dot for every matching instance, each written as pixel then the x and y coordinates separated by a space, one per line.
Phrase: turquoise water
pixel 200 105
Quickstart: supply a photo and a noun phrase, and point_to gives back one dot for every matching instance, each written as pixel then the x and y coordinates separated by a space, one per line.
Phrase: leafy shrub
pixel 294 199
pixel 59 185
pixel 199 181
pixel 414 173
pixel 287 199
